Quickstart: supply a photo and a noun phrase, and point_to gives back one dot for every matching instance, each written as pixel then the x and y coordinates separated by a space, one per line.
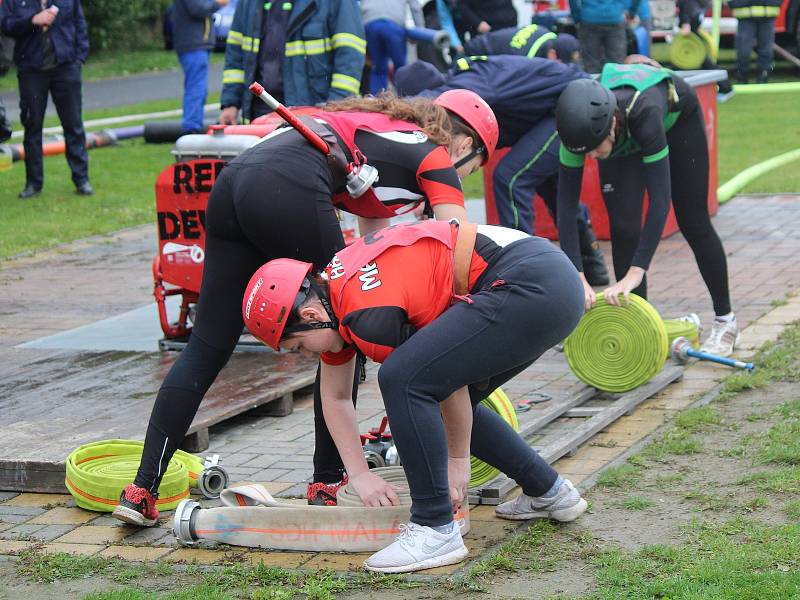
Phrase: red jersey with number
pixel 403 287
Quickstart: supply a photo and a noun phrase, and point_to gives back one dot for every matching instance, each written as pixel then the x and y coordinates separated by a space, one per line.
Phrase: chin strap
pixel 473 153
pixel 326 304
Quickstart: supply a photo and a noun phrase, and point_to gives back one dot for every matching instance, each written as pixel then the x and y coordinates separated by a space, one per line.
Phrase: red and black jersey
pixel 411 168
pixel 402 289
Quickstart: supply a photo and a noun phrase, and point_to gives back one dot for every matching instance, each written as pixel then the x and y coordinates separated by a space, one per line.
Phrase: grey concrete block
pixel 14 518
pixel 23 531
pixel 30 511
pixel 271 475
pixel 7 495
pixel 151 536
pixel 108 521
pixel 50 532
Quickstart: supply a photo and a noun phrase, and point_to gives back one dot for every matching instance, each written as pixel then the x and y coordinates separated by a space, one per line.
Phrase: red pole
pixel 258 90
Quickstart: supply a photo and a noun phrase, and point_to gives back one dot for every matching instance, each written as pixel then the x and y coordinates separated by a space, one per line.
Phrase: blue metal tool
pixel 681 350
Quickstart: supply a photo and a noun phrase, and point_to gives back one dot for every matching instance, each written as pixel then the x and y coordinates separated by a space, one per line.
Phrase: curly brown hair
pixel 440 125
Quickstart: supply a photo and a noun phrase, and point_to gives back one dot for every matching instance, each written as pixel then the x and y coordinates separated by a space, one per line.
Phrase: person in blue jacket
pixel 193 41
pixel 51 45
pixel 523 93
pixel 305 53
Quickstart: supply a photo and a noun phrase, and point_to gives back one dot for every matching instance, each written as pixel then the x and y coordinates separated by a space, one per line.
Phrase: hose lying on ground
pixel 617 349
pixel 98 472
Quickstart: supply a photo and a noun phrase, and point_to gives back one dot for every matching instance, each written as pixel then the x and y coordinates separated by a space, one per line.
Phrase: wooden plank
pixel 61 401
pixel 584 411
pixel 496 490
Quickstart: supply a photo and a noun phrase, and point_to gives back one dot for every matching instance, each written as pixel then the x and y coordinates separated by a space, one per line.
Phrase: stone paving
pixel 761 242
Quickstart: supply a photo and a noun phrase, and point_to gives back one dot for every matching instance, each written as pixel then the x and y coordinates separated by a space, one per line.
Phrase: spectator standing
pixel 482 16
pixel 444 10
pixel 51 45
pixel 384 25
pixel 755 24
pixel 305 53
pixel 601 30
pixel 193 42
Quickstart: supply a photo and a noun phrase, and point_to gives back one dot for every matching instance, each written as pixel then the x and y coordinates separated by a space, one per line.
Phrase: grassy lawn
pixel 119 64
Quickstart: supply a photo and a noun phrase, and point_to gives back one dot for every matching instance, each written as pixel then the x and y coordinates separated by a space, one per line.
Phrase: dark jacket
pixel 324 58
pixel 497 13
pixel 68 32
pixel 521 91
pixel 193 27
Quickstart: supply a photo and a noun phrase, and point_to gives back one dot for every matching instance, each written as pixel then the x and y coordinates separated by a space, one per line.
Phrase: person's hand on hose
pixel 374 490
pixel 686 29
pixel 589 296
pixel 624 286
pixel 458 473
pixel 229 115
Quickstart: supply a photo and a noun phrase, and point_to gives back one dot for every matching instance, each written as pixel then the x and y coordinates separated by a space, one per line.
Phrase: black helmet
pixel 584 115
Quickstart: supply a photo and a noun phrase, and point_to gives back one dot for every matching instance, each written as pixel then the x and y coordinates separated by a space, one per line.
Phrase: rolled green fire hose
pixel 688 52
pixel 617 349
pixel 498 402
pixel 98 472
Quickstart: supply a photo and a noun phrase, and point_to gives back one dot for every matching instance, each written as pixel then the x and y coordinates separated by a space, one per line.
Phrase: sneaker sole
pixel 451 558
pixel 134 517
pixel 565 515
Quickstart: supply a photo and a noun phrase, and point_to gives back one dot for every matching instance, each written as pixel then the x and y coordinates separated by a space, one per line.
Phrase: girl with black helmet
pixel 451 312
pixel 279 198
pixel 645 126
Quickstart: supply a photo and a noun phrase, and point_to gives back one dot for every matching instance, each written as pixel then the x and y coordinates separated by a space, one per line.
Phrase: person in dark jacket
pixel 193 41
pixel 523 93
pixel 51 45
pixel 531 40
pixel 482 16
pixel 755 24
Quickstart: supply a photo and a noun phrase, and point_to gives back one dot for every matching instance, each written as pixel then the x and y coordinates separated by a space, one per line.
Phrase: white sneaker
pixel 567 505
pixel 419 547
pixel 723 338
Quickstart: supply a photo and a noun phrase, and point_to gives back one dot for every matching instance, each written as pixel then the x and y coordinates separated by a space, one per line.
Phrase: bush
pixel 115 24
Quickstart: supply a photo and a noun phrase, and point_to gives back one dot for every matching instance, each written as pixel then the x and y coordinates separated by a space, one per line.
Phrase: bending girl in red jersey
pixel 279 198
pixel 451 313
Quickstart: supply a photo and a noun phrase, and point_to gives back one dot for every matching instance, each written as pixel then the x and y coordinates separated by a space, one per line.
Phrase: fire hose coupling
pixel 379 448
pixel 213 479
pixel 183 522
pixel 360 178
pixel 681 350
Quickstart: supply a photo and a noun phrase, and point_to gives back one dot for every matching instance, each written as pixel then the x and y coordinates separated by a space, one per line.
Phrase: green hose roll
pixel 681 328
pixel 617 349
pixel 98 472
pixel 688 52
pixel 497 401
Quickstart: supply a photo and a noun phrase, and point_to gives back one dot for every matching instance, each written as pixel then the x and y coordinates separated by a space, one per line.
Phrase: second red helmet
pixel 476 113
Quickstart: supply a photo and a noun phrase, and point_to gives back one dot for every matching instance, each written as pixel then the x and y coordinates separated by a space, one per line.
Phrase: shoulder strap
pixel 462 257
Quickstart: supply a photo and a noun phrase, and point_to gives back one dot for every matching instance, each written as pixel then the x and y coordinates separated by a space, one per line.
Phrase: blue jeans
pixel 761 31
pixel 195 88
pixel 531 166
pixel 385 40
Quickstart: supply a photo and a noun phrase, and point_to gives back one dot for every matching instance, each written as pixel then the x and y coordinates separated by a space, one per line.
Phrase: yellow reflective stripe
pixel 345 82
pixel 308 47
pixel 463 64
pixel 348 40
pixel 234 37
pixel 250 44
pixel 538 43
pixel 756 11
pixel 233 76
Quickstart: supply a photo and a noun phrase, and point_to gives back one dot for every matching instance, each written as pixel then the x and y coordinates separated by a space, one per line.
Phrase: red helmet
pixel 270 297
pixel 475 113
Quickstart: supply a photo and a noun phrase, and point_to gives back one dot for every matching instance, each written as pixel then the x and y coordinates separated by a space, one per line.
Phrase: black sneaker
pixel 137 506
pixel 594 264
pixel 763 77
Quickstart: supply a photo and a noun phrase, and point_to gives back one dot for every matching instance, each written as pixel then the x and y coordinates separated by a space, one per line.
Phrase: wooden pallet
pixel 594 409
pixel 64 399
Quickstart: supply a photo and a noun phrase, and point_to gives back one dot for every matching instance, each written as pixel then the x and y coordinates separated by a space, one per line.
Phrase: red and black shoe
pixel 324 494
pixel 137 506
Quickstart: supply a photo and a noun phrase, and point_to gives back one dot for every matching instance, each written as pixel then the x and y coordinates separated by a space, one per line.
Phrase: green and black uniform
pixel 661 147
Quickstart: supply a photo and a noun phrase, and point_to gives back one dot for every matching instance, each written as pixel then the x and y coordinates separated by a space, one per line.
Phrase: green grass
pixel 785 480
pixel 113 64
pixel 637 503
pixel 47 568
pixel 738 560
pixel 676 441
pixel 697 419
pixel 623 476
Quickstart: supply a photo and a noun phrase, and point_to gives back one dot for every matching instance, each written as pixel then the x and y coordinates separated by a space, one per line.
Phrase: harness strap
pixel 462 257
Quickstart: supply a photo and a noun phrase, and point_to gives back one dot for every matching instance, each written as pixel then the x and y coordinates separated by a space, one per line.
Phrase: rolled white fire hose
pixel 252 517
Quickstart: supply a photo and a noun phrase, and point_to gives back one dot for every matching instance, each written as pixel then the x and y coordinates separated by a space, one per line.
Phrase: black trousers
pixel 623 185
pixel 529 300
pixel 273 201
pixel 64 84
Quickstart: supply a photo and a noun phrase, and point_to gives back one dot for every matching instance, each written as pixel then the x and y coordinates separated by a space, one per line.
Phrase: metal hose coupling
pixel 213 479
pixel 183 522
pixel 360 179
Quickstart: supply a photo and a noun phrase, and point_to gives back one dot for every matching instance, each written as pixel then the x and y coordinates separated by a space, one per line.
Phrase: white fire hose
pixel 252 517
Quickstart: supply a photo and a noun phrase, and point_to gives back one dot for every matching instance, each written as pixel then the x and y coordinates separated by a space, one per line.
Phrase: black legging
pixel 623 183
pixel 535 302
pixel 273 201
